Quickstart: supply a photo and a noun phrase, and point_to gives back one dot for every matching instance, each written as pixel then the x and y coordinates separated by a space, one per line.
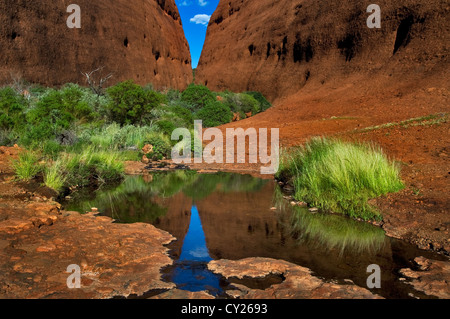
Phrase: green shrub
pixel 241 103
pixel 339 176
pixel 51 148
pixel 12 109
pixel 197 96
pixel 166 127
pixel 263 103
pixel 161 146
pixel 27 166
pixel 183 114
pixel 131 104
pixel 214 114
pixel 56 112
pixel 90 167
pixel 249 104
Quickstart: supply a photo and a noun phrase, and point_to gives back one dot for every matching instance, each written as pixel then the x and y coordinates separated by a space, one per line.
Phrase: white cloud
pixel 202 3
pixel 185 3
pixel 201 19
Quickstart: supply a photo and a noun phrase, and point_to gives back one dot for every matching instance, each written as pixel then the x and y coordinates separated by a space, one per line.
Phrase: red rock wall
pixel 277 47
pixel 139 40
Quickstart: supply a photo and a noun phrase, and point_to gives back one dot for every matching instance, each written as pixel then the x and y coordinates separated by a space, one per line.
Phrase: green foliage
pixel 264 105
pixel 55 113
pixel 27 166
pixel 241 103
pixel 166 127
pixel 339 176
pixel 132 104
pixel 90 167
pixel 214 114
pixel 12 108
pixel 54 176
pixel 161 146
pixel 198 96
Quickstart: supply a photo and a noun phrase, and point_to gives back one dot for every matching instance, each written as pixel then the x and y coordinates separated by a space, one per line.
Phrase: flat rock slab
pixel 178 294
pixel 298 282
pixel 432 278
pixel 114 259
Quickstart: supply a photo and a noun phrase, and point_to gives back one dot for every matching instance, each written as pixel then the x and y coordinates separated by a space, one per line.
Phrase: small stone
pixel 145 160
pixel 273 208
pixel 302 204
pixel 313 210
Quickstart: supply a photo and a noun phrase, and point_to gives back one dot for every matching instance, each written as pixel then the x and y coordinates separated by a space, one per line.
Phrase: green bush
pixel 12 109
pixel 90 167
pixel 197 96
pixel 161 146
pixel 131 104
pixel 183 114
pixel 214 114
pixel 241 103
pixel 166 127
pixel 339 176
pixel 27 166
pixel 56 112
pixel 249 104
pixel 264 105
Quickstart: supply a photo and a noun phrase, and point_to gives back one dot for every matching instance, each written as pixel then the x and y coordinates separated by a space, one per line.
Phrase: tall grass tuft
pixel 54 176
pixel 339 176
pixel 26 167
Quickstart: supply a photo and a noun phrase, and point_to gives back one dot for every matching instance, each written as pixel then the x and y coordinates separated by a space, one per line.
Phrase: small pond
pixel 232 216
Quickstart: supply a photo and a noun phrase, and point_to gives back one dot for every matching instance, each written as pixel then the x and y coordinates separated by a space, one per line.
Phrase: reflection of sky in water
pixel 190 271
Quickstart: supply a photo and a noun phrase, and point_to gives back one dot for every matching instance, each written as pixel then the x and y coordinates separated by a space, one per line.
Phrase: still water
pixel 232 216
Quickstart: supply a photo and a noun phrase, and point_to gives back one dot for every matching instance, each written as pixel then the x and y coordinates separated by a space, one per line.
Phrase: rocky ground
pixel 38 241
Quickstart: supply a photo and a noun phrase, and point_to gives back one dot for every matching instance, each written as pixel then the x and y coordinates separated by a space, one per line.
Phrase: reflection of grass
pixel 130 202
pixel 339 176
pixel 336 232
pixel 333 232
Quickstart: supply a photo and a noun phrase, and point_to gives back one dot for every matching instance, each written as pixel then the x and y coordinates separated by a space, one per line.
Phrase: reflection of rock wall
pixel 277 47
pixel 177 219
pixel 241 225
pixel 140 40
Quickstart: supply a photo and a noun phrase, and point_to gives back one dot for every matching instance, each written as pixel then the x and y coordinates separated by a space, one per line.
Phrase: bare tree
pixel 96 86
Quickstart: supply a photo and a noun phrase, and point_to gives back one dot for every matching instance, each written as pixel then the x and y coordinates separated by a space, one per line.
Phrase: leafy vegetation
pixel 81 138
pixel 340 177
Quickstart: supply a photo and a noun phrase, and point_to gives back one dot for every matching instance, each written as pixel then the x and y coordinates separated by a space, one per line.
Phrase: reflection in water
pixel 330 231
pixel 190 271
pixel 232 219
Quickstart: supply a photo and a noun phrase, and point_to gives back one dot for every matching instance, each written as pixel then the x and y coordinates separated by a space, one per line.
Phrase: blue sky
pixel 195 16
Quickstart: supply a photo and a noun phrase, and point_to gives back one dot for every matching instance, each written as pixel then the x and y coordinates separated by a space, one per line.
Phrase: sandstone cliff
pixel 278 47
pixel 139 40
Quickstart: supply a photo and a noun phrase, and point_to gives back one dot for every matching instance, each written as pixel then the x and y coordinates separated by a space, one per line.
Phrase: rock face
pixel 278 47
pixel 432 278
pixel 298 282
pixel 139 40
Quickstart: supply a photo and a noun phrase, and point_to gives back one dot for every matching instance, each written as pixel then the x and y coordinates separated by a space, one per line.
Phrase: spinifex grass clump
pixel 340 177
pixel 26 167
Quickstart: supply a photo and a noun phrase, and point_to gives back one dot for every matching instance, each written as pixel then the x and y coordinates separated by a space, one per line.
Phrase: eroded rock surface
pixel 432 278
pixel 139 40
pixel 279 47
pixel 298 281
pixel 38 242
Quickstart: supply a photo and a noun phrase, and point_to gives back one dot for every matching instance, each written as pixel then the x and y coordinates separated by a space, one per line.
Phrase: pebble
pixel 314 210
